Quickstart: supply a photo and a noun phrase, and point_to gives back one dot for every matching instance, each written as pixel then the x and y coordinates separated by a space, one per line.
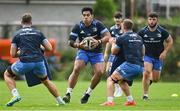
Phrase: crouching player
pixel 133 49
pixel 29 41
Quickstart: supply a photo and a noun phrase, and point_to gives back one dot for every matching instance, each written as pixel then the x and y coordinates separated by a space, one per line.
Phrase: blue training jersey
pixel 119 58
pixel 153 41
pixel 132 45
pixel 115 31
pixel 95 30
pixel 28 40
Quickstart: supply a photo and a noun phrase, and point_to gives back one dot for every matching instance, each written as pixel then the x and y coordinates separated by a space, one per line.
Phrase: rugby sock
pixel 89 90
pixel 59 100
pixel 129 98
pixel 69 90
pixel 110 99
pixel 146 95
pixel 15 92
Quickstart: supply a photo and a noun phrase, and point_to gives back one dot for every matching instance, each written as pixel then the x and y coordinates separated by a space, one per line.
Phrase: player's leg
pixel 146 79
pixel 9 77
pixel 97 62
pixel 80 62
pixel 157 67
pixel 40 70
pixel 127 71
pixel 98 72
pixel 52 89
pixel 78 65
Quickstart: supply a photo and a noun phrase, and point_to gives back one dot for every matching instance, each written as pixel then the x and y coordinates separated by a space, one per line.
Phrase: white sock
pixel 59 100
pixel 89 91
pixel 116 85
pixel 129 98
pixel 146 95
pixel 15 92
pixel 110 99
pixel 69 90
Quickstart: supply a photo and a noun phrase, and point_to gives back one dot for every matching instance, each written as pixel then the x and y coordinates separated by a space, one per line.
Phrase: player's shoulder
pixel 145 28
pixel 161 29
pixel 97 22
pixel 113 27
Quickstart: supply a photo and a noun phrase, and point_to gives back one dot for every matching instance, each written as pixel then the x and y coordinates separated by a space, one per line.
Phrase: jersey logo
pixel 94 29
pixel 145 35
pixel 159 35
pixel 151 39
pixel 82 32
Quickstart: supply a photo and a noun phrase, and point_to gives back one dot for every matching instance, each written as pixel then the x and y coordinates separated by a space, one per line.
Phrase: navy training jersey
pixel 153 41
pixel 95 30
pixel 119 58
pixel 132 45
pixel 115 31
pixel 28 40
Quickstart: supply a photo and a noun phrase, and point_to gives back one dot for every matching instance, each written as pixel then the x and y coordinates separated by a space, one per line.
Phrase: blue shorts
pixel 157 63
pixel 38 68
pixel 91 57
pixel 129 71
pixel 111 58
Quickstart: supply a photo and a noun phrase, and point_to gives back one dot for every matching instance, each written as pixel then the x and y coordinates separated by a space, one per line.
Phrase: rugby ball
pixel 87 42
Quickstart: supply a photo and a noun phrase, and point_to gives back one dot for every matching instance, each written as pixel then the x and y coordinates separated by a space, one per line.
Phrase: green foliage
pixel 104 9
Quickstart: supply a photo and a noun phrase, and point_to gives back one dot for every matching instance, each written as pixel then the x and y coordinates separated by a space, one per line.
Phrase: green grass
pixel 38 98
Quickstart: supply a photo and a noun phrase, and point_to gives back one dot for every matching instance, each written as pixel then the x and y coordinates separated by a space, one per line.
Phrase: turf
pixel 38 98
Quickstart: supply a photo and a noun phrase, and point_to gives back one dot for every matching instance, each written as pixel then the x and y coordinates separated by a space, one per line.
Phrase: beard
pixel 152 26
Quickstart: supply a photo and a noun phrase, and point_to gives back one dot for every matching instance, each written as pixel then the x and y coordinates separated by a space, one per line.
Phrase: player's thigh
pixel 98 68
pixel 20 68
pixel 78 65
pixel 148 67
pixel 116 76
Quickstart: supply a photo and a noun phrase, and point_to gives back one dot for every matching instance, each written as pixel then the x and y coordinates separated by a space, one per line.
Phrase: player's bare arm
pixel 13 51
pixel 47 45
pixel 169 43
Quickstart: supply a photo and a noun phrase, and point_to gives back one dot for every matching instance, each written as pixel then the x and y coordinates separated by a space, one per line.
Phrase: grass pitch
pixel 38 98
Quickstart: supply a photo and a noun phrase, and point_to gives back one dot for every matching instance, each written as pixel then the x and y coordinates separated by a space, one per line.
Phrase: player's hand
pixel 112 40
pixel 163 55
pixel 82 45
pixel 94 43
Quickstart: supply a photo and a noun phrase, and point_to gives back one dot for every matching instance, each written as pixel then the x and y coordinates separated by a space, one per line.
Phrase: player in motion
pixel 154 37
pixel 26 45
pixel 132 45
pixel 116 32
pixel 88 27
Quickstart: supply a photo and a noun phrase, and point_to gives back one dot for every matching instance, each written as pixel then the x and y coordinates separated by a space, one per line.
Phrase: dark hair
pixel 26 18
pixel 153 14
pixel 118 15
pixel 87 9
pixel 128 24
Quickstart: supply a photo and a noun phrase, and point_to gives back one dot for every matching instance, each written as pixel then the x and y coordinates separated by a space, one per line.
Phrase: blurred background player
pixel 133 49
pixel 26 45
pixel 88 27
pixel 153 37
pixel 115 31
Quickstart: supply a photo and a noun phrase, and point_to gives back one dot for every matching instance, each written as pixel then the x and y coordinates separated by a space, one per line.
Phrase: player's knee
pixel 147 73
pixel 9 73
pixel 155 80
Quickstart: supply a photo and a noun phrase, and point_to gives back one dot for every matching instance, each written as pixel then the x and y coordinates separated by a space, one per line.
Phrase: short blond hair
pixel 26 18
pixel 128 24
